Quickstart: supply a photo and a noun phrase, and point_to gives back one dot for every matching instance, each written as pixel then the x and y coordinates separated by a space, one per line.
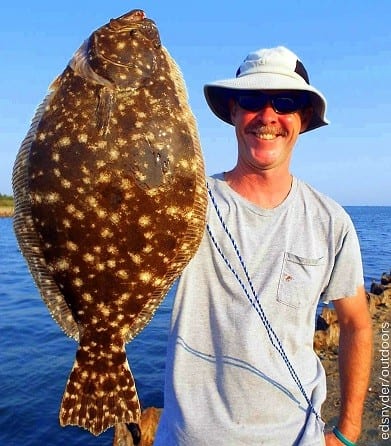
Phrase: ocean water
pixel 36 357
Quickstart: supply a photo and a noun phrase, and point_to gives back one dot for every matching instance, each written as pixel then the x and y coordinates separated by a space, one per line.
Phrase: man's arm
pixel 355 359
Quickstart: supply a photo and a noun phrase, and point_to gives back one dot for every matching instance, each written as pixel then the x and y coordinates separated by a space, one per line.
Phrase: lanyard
pixel 253 298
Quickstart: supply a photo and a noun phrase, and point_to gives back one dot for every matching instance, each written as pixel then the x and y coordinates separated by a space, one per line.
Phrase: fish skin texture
pixel 110 204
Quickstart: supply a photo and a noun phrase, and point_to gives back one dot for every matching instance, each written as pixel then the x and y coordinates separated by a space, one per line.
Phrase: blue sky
pixel 345 46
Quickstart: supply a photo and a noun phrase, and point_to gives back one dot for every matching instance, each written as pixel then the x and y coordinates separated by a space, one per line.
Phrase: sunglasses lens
pixel 286 104
pixel 252 102
pixel 281 103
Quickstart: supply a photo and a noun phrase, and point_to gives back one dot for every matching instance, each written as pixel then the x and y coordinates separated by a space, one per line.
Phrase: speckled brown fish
pixel 110 199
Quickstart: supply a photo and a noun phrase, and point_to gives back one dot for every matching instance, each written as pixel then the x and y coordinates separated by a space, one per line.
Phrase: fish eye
pixel 149 32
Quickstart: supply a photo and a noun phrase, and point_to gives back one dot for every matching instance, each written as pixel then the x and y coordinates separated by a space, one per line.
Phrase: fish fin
pixel 103 110
pixel 26 233
pixel 100 391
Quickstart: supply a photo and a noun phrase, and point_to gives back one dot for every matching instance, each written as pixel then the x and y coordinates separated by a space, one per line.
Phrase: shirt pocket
pixel 300 280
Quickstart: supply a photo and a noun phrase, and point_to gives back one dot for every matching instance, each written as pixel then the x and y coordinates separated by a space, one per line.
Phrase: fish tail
pixel 100 391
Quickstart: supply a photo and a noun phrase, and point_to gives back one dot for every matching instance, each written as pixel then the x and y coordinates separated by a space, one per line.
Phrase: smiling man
pixel 240 368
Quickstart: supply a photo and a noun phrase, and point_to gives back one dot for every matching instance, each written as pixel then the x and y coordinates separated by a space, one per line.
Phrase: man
pixel 241 369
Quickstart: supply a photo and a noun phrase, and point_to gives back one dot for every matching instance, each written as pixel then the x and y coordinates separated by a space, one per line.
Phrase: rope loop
pixel 253 298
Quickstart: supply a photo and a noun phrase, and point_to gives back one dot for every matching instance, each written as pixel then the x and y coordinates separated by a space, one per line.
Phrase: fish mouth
pixel 135 19
pixel 127 20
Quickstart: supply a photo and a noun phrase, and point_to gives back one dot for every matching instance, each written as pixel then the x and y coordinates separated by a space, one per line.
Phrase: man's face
pixel 266 137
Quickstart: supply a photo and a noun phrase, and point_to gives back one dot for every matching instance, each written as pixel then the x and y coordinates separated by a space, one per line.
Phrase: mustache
pixel 265 129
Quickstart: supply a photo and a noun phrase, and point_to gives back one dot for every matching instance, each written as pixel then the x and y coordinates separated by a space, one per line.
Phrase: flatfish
pixel 110 206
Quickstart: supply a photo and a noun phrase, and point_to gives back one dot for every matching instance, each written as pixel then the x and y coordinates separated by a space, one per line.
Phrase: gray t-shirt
pixel 226 384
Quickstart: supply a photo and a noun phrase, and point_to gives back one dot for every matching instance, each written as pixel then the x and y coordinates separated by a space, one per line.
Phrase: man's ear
pixel 306 116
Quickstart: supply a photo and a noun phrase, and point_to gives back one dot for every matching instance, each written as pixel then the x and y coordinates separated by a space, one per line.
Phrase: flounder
pixel 110 206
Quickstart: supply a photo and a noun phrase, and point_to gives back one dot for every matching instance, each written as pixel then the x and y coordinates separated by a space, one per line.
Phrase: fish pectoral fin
pixel 100 391
pixel 104 110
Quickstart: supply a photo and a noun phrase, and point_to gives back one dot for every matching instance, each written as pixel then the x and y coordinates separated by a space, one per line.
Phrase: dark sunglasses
pixel 288 102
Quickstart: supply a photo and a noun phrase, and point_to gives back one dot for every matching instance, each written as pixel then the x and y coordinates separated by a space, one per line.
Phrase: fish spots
pixel 145 276
pixel 87 297
pixel 88 258
pixel 137 137
pixel 66 184
pixel 112 249
pixel 55 157
pixel 52 197
pixel 157 282
pixel 136 258
pixel 66 223
pixel 85 170
pixel 100 267
pixel 123 298
pixel 102 144
pixel 144 220
pixel 82 137
pixel 92 201
pixel 123 328
pixel 76 213
pixel 71 246
pixel 140 176
pixel 116 207
pixel 103 309
pixel 122 274
pixel 65 141
pixel 61 264
pixel 106 233
pixel 104 177
pixel 101 213
pixel 114 154
pixel 148 249
pixel 115 218
pixel 173 210
pixel 78 282
pixel 36 198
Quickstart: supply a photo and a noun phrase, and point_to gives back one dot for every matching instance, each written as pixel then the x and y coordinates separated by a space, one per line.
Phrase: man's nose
pixel 267 113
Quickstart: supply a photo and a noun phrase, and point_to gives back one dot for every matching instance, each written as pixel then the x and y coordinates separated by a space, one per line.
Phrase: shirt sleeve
pixel 347 273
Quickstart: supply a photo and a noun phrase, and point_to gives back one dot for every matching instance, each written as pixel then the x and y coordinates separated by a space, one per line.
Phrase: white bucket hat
pixel 267 69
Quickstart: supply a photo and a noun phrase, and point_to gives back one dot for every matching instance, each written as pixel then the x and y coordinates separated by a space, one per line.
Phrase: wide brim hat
pixel 267 69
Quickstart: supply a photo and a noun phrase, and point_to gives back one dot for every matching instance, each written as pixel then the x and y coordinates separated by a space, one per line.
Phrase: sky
pixel 344 45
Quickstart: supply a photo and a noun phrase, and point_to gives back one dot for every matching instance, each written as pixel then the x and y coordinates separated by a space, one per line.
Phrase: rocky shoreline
pixel 6 211
pixel 376 421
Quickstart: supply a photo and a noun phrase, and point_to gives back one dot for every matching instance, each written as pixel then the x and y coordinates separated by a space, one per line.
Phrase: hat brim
pixel 219 93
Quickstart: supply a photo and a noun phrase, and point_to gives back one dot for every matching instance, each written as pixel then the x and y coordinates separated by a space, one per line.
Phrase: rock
pixel 326 336
pixel 385 279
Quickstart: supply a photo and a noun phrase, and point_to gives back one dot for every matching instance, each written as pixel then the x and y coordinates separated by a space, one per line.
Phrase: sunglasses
pixel 282 103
